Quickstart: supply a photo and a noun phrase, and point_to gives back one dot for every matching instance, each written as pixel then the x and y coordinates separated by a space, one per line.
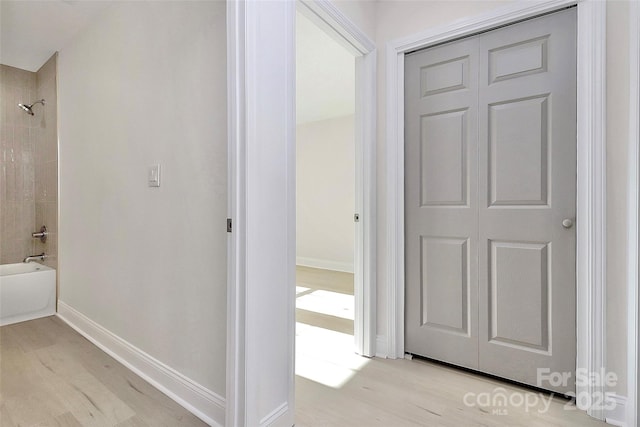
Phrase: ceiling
pixel 325 75
pixel 32 31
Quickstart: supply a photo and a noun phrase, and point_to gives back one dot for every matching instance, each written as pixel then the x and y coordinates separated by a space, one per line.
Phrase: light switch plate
pixel 154 175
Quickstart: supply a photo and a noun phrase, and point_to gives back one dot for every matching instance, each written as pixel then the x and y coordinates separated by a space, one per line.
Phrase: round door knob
pixel 567 223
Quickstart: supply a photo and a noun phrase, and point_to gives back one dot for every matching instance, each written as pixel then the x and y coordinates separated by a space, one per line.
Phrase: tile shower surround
pixel 28 163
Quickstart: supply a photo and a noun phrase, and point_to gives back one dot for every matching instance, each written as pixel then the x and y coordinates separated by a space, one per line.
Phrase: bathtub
pixel 27 291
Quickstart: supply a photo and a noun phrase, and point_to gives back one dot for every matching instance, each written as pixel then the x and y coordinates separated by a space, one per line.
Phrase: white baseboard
pixel 618 415
pixel 325 264
pixel 381 347
pixel 203 403
pixel 274 417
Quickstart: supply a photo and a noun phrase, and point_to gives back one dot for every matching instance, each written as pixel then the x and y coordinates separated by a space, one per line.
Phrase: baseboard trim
pixel 325 264
pixel 203 403
pixel 381 347
pixel 274 417
pixel 618 415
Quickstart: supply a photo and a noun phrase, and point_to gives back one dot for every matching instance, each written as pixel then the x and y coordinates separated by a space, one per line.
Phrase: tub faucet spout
pixel 40 257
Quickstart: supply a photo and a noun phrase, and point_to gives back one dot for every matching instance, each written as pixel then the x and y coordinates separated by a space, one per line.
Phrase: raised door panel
pixel 445 284
pixel 443 173
pixel 444 76
pixel 518 145
pixel 519 59
pixel 519 295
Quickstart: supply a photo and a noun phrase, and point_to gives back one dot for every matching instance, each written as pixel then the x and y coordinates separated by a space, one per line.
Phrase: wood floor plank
pixel 133 422
pixel 68 420
pixel 22 386
pixel 33 408
pixel 150 404
pixel 28 337
pixel 326 321
pixel 7 341
pixel 92 398
pixel 65 420
pixel 5 418
pixel 315 278
pixel 53 376
pixel 86 397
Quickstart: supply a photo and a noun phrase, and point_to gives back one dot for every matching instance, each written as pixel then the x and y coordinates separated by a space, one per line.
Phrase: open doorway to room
pixel 326 194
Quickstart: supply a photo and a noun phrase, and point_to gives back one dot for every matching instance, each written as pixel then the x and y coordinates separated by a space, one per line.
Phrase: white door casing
pixel 261 261
pixel 261 247
pixel 633 251
pixel 591 162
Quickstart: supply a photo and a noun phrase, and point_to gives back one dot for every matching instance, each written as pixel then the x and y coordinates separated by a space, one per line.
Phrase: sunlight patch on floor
pixel 301 289
pixel 325 356
pixel 327 302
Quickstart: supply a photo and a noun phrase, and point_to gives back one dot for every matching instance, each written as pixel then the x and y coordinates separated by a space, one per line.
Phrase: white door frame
pixel 262 205
pixel 261 202
pixel 633 230
pixel 331 20
pixel 591 172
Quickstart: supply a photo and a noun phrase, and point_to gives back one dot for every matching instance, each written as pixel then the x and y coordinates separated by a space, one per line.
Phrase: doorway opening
pixel 326 212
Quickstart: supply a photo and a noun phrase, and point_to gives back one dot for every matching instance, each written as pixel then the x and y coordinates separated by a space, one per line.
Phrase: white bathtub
pixel 27 291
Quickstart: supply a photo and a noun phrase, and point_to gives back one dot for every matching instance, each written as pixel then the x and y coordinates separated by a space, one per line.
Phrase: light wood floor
pixel 52 376
pixel 335 387
pixel 312 281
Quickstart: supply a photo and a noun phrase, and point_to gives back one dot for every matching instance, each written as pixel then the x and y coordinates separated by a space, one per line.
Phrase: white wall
pixel 325 74
pixel 617 164
pixel 396 18
pixel 146 84
pixel 325 193
pixel 362 13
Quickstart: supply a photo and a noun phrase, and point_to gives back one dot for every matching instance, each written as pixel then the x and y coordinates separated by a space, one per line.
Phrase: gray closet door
pixel 441 203
pixel 516 258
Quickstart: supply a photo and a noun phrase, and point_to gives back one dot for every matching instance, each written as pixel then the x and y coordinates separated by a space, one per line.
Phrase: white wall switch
pixel 154 175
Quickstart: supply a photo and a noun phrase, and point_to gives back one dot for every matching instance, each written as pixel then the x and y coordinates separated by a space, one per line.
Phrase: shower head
pixel 28 107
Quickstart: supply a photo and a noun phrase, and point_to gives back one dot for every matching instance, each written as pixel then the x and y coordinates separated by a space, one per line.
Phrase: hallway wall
pixel 148 264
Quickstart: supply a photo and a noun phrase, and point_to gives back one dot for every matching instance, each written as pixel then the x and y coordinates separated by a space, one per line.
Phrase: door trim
pixel 591 171
pixel 261 111
pixel 261 183
pixel 633 252
pixel 330 19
